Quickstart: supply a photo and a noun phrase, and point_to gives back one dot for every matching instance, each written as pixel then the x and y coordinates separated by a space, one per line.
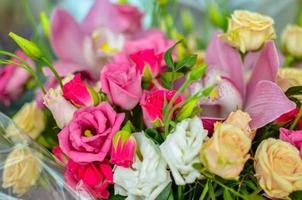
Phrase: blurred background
pixel 179 18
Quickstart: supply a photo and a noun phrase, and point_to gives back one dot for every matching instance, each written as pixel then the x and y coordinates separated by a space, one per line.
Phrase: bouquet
pixel 130 112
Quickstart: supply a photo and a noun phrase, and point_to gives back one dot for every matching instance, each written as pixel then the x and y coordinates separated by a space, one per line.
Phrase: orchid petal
pixel 266 104
pixel 66 37
pixel 63 69
pixel 226 60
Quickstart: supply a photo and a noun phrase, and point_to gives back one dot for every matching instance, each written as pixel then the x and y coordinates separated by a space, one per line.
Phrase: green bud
pixel 128 127
pixel 147 74
pixel 187 109
pixel 28 47
pixel 157 123
pixel 197 72
pixel 95 97
pixel 123 135
pixel 187 20
pixel 45 23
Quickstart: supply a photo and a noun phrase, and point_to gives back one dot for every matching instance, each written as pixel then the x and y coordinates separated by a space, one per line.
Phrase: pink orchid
pixel 148 58
pixel 13 80
pixel 293 137
pixel 259 96
pixel 78 93
pixel 95 176
pixel 123 149
pixel 86 45
pixel 152 104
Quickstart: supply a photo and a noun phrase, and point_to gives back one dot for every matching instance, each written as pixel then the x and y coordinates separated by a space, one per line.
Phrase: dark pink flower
pixel 148 58
pixel 122 83
pixel 59 154
pixel 293 137
pixel 152 104
pixel 88 136
pixel 13 80
pixel 78 93
pixel 123 149
pixel 95 176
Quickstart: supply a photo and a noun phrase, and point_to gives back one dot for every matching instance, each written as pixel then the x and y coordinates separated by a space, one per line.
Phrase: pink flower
pixel 88 44
pixel 259 95
pixel 51 83
pixel 152 104
pixel 88 136
pixel 13 80
pixel 293 137
pixel 78 93
pixel 122 83
pixel 59 154
pixel 95 176
pixel 123 149
pixel 148 58
pixel 287 117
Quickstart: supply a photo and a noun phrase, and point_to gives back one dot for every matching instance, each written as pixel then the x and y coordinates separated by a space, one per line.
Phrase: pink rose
pixel 78 93
pixel 122 83
pixel 58 153
pixel 148 58
pixel 13 80
pixel 293 137
pixel 123 149
pixel 152 104
pixel 88 136
pixel 95 176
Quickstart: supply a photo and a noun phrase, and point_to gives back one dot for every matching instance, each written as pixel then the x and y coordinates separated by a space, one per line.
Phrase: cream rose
pixel 30 119
pixel 21 170
pixel 248 31
pixel 289 77
pixel 291 40
pixel 278 168
pixel 226 152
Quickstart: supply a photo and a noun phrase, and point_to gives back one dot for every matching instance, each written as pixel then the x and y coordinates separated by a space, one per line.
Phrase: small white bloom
pixel 181 150
pixel 147 177
pixel 61 109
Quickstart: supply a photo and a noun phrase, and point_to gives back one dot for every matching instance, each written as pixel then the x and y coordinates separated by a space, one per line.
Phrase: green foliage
pixel 166 194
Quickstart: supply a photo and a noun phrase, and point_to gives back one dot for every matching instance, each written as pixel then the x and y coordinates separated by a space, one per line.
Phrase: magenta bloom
pixel 260 96
pixel 123 149
pixel 88 44
pixel 148 58
pixel 122 83
pixel 152 104
pixel 13 80
pixel 293 137
pixel 95 176
pixel 88 136
pixel 77 92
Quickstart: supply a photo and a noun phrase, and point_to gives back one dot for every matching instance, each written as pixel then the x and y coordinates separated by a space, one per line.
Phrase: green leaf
pixel 187 62
pixel 296 195
pixel 168 56
pixel 166 194
pixel 117 197
pixel 227 195
pixel 211 191
pixel 168 78
pixel 293 91
pixel 45 23
pixel 197 73
pixel 154 135
pixel 205 191
pixel 187 109
pixel 254 196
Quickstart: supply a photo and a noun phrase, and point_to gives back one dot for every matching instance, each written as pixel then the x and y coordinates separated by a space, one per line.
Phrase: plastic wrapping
pixel 28 171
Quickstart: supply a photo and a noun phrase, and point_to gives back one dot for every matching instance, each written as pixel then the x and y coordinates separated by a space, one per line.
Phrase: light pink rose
pixel 122 83
pixel 95 176
pixel 293 137
pixel 152 104
pixel 88 136
pixel 148 58
pixel 13 80
pixel 77 92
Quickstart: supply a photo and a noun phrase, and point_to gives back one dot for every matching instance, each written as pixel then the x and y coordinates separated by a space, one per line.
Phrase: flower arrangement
pixel 131 113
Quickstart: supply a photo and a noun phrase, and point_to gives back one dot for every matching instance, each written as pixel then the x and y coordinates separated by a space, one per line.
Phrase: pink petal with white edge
pixel 66 37
pixel 225 59
pixel 267 103
pixel 265 66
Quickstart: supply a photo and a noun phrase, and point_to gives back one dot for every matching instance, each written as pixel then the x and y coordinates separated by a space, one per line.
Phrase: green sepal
pixel 187 109
pixel 197 72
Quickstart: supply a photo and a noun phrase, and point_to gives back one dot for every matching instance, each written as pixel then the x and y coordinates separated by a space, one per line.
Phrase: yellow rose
pixel 30 119
pixel 278 168
pixel 226 152
pixel 291 40
pixel 21 170
pixel 248 31
pixel 289 77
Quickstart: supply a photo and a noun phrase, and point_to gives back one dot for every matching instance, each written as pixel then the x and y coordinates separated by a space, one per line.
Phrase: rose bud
pixel 291 40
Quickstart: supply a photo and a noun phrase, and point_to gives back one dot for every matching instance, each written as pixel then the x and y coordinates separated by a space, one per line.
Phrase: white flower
pixel 61 109
pixel 147 177
pixel 181 150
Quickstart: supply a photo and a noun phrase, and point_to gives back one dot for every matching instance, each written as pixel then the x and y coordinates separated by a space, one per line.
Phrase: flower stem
pixel 292 127
pixel 52 69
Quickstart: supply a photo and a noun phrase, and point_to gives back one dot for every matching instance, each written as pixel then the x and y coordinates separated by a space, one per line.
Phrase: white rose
pixel 181 150
pixel 291 40
pixel 147 177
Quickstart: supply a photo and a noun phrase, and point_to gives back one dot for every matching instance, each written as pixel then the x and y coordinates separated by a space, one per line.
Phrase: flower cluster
pixel 131 113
